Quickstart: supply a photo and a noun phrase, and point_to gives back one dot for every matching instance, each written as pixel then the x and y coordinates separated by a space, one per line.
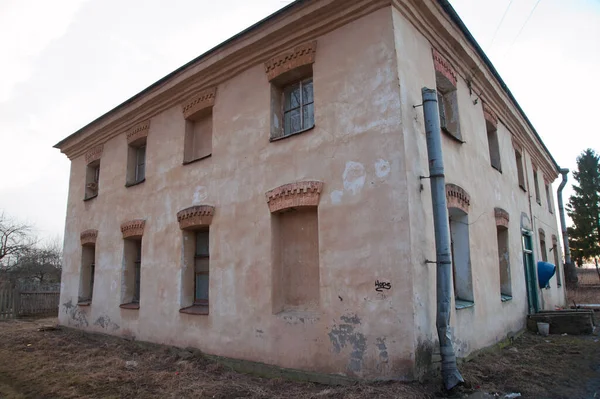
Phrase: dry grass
pixel 66 363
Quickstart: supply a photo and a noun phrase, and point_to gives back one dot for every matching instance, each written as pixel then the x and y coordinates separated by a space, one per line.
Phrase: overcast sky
pixel 66 62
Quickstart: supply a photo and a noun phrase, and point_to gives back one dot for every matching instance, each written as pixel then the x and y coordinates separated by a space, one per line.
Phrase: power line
pixel 523 26
pixel 500 24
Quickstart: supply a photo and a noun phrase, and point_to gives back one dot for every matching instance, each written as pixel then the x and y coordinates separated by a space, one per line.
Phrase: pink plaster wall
pixel 355 149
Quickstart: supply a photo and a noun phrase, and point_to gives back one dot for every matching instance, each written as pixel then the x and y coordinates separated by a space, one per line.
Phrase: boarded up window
pixel 86 278
pixel 493 146
pixel 296 260
pixel 520 172
pixel 461 256
pixel 198 136
pixel 504 262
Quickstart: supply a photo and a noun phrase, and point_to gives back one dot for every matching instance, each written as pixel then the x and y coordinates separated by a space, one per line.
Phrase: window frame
pixel 536 184
pixel 140 165
pixel 137 270
pixel 200 256
pixel 287 90
pixel 548 197
pixel 520 169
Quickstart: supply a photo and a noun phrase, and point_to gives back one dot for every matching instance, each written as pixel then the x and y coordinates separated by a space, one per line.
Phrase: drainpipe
pixel 450 374
pixel 570 273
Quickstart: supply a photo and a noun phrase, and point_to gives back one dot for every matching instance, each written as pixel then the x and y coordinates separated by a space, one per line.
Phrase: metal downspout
pixel 568 268
pixel 450 374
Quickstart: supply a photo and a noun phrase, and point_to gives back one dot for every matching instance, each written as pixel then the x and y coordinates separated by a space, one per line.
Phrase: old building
pixel 267 201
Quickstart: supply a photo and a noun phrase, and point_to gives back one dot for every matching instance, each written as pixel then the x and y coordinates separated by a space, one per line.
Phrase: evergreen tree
pixel 584 208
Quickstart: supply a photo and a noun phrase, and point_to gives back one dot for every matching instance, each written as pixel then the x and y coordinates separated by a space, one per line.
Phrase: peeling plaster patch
pixel 351 319
pixel 113 285
pixel 76 317
pixel 354 177
pixel 382 168
pixel 345 335
pixel 106 322
pixel 200 195
pixel 383 353
pixel 336 196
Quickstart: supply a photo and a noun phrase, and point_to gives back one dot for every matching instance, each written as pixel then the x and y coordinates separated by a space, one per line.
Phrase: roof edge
pixel 182 68
pixel 447 7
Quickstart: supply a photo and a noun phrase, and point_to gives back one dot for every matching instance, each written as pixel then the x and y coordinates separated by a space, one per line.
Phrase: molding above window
pixel 138 131
pixel 88 237
pixel 517 144
pixel 442 66
pixel 502 217
pixel 457 197
pixel 303 54
pixel 94 154
pixel 199 102
pixel 294 195
pixel 133 228
pixel 489 115
pixel 195 216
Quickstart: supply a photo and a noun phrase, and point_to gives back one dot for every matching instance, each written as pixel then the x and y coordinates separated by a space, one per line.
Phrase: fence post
pixel 16 302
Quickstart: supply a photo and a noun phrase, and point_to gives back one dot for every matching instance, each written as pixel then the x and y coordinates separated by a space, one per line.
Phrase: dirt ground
pixel 66 363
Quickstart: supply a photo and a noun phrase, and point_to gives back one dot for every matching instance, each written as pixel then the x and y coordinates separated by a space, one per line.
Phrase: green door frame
pixel 530 274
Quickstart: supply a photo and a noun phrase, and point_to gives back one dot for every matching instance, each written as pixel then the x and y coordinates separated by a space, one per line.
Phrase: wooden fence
pixel 15 304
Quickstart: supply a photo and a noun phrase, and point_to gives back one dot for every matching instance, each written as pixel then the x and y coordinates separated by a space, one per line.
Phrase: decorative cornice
pixel 94 154
pixel 88 237
pixel 202 100
pixel 138 131
pixel 502 217
pixel 457 197
pixel 490 115
pixel 442 66
pixel 220 65
pixel 542 233
pixel 133 228
pixel 517 144
pixel 303 54
pixel 281 32
pixel 195 216
pixel 294 195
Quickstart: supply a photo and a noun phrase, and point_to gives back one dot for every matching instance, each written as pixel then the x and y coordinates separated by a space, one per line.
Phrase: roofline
pixel 182 68
pixel 446 6
pixel 456 19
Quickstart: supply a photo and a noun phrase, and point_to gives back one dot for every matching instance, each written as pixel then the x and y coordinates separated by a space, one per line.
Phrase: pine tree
pixel 584 208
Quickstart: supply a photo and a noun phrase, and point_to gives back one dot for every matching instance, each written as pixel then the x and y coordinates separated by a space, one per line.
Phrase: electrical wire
pixel 499 24
pixel 523 26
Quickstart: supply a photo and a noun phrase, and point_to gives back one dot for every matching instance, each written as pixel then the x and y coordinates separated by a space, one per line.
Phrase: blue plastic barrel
pixel 545 272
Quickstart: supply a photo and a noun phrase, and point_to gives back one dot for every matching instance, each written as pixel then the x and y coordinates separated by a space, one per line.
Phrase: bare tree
pixel 15 238
pixel 39 265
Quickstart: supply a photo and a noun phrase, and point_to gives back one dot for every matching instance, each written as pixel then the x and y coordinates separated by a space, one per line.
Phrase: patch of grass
pixel 67 363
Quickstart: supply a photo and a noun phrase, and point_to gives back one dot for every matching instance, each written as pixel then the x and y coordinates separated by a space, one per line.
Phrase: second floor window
pixel 298 110
pixel 201 268
pixel 136 163
pixel 140 163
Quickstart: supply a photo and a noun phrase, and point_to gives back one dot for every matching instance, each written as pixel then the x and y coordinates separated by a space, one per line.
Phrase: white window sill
pixel 291 134
pixel 461 304
pixel 505 298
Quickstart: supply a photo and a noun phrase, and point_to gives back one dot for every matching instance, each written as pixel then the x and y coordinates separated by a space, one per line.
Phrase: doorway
pixel 530 274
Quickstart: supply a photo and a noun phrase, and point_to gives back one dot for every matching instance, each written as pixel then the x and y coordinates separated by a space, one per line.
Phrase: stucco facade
pixel 367 309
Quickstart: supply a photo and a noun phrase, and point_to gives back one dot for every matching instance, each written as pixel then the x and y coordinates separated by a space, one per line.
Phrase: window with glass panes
pixel 298 109
pixel 201 263
pixel 137 270
pixel 140 163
